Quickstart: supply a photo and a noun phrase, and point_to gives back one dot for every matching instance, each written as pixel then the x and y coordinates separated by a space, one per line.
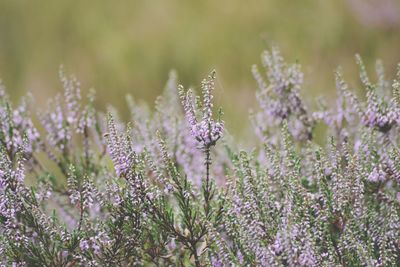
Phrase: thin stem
pixel 207 189
pixel 81 207
pixel 196 257
pixel 86 145
pixel 80 216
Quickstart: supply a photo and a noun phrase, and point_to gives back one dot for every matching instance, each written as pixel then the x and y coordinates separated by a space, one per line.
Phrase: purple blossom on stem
pixel 72 96
pixel 377 175
pixel 120 149
pixel 207 131
pixel 380 112
pixel 280 99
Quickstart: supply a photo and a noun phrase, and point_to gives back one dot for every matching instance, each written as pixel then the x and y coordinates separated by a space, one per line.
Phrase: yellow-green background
pixel 121 47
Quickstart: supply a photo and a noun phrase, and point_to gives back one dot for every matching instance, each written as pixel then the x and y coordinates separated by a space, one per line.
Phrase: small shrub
pixel 82 188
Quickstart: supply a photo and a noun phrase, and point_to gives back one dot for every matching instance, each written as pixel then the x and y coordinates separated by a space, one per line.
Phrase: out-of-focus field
pixel 121 47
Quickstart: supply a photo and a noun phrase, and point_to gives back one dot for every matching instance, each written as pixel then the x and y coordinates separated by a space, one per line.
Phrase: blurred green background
pixel 120 47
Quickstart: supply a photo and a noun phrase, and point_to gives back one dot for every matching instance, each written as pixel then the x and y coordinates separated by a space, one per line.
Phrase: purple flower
pixel 84 245
pixel 307 258
pixel 280 99
pixel 207 131
pixel 377 175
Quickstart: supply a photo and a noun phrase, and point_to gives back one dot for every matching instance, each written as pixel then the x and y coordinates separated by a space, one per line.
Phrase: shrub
pixel 82 188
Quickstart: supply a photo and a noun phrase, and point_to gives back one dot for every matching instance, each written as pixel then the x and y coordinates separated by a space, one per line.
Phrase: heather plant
pixel 171 188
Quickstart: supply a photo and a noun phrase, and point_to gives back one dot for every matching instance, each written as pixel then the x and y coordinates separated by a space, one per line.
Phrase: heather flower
pixel 58 134
pixel 120 149
pixel 344 113
pixel 207 131
pixel 16 125
pixel 377 175
pixel 381 111
pixel 72 96
pixel 84 245
pixel 280 100
pixel 88 115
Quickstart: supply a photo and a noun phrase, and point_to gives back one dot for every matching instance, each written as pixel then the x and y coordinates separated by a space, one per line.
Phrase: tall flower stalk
pixel 206 131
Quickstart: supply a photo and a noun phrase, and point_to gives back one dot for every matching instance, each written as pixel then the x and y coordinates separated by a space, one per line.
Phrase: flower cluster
pixel 381 110
pixel 84 188
pixel 280 98
pixel 16 124
pixel 207 131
